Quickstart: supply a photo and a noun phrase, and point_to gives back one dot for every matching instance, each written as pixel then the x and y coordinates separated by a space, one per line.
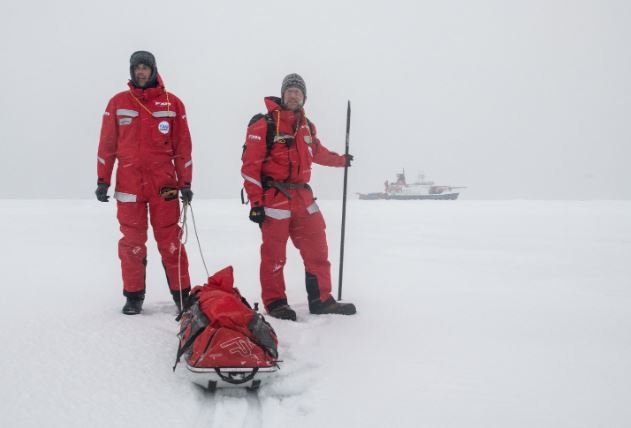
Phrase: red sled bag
pixel 223 340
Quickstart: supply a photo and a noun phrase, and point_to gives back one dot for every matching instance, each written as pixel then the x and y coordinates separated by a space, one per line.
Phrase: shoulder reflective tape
pixel 277 214
pixel 189 163
pixel 125 121
pixel 251 180
pixel 163 114
pixel 101 160
pixel 124 197
pixel 126 112
pixel 313 208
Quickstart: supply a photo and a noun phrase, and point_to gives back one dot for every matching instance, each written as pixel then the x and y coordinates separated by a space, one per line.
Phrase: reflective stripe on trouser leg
pixel 132 251
pixel 308 235
pixel 164 217
pixel 273 257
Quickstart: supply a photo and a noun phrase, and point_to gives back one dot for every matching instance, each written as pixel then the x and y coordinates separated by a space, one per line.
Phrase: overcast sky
pixel 514 99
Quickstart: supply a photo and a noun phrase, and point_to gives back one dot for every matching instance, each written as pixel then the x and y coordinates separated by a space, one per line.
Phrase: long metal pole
pixel 348 130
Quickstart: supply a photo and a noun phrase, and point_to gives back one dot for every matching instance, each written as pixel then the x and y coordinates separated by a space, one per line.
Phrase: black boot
pixel 330 306
pixel 281 310
pixel 176 298
pixel 133 306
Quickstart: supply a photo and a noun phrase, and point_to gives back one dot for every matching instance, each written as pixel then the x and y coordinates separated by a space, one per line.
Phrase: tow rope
pixel 183 238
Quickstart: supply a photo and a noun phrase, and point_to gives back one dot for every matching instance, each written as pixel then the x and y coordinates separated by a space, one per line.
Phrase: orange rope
pixel 145 107
pixel 139 103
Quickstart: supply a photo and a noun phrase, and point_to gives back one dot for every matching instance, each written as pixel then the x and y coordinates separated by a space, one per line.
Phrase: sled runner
pixel 225 343
pixel 214 378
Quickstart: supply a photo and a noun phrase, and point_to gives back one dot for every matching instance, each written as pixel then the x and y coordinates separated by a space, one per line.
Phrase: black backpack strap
pixel 271 131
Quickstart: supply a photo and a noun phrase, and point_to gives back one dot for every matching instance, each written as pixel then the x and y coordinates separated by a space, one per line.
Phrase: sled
pixel 223 341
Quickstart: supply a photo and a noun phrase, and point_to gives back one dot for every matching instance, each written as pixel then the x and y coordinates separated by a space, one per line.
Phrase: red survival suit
pixel 290 208
pixel 146 130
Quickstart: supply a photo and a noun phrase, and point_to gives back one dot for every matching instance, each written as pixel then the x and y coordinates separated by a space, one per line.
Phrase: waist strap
pixel 283 186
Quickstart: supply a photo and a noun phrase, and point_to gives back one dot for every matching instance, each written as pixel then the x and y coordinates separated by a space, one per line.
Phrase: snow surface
pixel 471 314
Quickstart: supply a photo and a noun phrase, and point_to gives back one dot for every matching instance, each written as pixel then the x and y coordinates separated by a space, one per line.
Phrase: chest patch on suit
pixel 163 127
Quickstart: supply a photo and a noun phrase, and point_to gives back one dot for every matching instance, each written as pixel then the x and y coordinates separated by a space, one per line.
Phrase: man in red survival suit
pixel 279 150
pixel 145 129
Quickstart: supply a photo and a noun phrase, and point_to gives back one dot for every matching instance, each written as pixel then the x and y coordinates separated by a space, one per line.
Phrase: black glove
pixel 257 215
pixel 101 192
pixel 186 194
pixel 349 159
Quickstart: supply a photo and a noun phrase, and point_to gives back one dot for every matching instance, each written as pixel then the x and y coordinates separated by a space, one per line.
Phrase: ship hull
pixel 403 197
pixel 372 196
